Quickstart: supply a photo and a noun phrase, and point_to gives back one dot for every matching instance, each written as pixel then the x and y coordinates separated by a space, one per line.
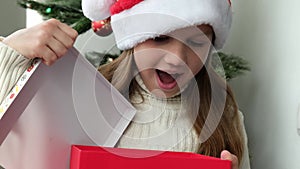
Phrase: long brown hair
pixel 228 133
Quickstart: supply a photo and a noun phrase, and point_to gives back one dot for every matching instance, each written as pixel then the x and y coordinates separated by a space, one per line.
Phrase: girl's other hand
pixel 49 40
pixel 226 155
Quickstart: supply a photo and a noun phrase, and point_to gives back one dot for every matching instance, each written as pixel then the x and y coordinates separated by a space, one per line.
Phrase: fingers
pixel 226 155
pixel 68 30
pixel 58 47
pixel 63 38
pixel 49 40
pixel 49 57
pixel 60 38
pixel 65 34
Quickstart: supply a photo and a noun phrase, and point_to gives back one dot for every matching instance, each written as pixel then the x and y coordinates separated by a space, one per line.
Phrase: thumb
pixel 226 155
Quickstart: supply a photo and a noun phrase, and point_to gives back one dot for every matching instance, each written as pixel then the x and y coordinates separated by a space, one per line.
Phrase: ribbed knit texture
pixel 160 124
pixel 156 116
pixel 12 66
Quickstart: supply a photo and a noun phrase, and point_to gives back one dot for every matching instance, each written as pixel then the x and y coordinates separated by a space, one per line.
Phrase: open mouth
pixel 166 80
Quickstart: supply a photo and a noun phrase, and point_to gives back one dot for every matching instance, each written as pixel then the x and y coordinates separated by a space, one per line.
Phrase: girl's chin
pixel 165 94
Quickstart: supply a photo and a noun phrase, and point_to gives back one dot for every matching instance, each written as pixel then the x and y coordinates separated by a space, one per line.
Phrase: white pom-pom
pixel 97 10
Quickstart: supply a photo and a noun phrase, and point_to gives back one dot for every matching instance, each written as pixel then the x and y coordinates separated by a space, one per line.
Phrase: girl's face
pixel 169 62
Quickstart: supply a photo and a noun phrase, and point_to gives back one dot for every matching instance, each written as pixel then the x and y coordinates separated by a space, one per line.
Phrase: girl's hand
pixel 49 40
pixel 226 155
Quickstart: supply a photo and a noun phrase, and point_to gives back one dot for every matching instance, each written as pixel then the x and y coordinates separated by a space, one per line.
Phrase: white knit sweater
pixel 12 65
pixel 167 126
pixel 162 124
pixel 159 124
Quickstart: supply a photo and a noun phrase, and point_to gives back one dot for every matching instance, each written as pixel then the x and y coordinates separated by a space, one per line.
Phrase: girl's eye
pixel 161 38
pixel 196 43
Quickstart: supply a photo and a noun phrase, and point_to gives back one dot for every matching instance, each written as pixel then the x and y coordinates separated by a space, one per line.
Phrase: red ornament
pixel 30 68
pixel 102 28
pixel 12 96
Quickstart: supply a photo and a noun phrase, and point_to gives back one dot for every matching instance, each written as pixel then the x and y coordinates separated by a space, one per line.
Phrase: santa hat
pixel 134 21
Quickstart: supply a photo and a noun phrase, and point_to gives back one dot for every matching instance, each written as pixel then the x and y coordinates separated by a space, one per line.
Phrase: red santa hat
pixel 134 21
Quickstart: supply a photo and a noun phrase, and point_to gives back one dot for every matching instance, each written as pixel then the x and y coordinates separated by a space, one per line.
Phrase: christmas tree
pixel 69 12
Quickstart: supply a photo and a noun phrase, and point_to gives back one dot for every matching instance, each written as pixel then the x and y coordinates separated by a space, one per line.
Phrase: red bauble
pixel 102 28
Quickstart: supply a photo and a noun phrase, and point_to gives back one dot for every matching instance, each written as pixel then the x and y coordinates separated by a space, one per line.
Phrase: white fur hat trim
pixel 97 10
pixel 151 18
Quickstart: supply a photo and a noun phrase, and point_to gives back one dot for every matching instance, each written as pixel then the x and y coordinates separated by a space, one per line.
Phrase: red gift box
pixel 92 157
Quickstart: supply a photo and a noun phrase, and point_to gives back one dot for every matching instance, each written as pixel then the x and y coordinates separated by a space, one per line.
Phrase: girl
pixel 164 70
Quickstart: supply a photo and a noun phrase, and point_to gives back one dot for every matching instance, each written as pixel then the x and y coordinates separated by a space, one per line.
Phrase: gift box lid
pixel 67 103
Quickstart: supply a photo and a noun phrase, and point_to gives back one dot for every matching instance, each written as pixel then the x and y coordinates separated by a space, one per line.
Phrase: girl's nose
pixel 176 53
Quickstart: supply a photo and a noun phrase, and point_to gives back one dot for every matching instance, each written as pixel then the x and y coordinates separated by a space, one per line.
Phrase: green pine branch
pixel 74 3
pixel 232 65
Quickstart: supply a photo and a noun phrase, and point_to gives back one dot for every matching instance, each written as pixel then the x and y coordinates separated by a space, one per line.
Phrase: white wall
pixel 266 33
pixel 12 17
pixel 32 18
